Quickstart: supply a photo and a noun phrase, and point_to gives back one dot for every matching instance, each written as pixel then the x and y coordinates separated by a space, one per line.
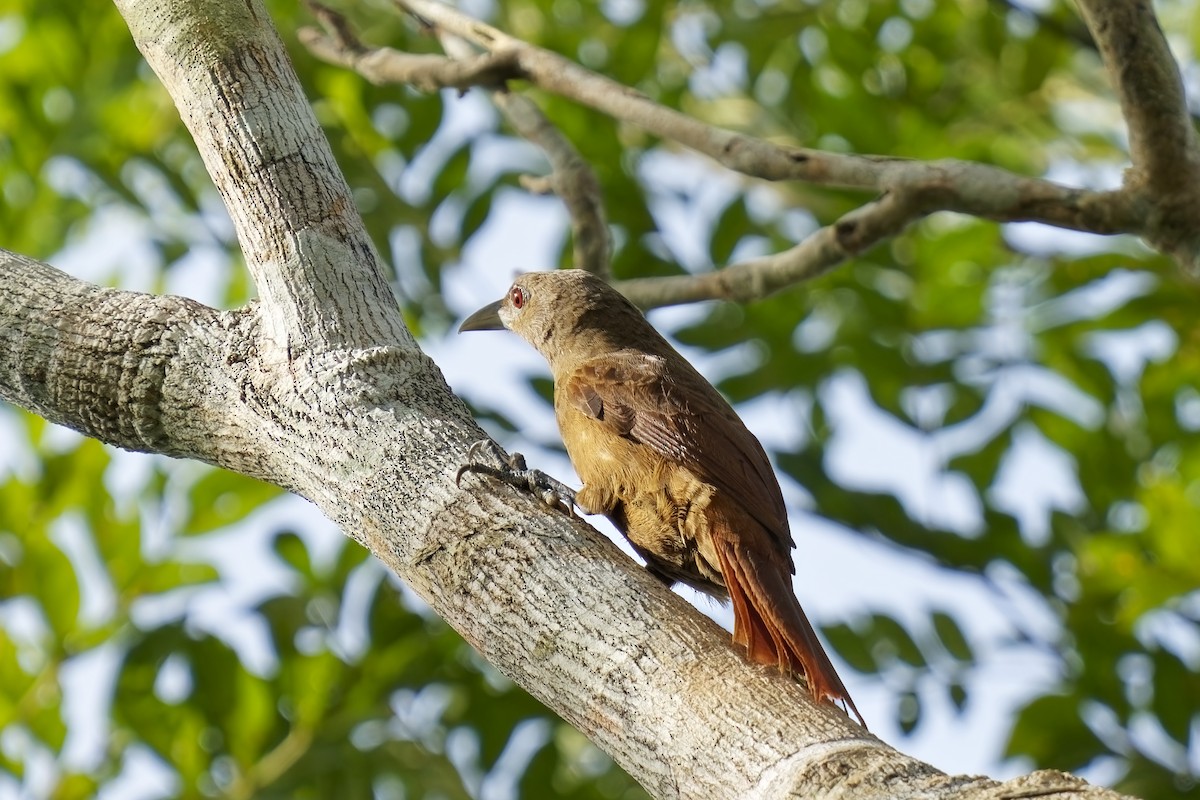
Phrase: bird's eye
pixel 516 296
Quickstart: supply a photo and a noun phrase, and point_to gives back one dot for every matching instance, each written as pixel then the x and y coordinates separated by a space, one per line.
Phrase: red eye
pixel 516 296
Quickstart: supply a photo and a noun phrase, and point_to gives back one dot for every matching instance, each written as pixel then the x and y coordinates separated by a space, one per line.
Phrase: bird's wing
pixel 683 418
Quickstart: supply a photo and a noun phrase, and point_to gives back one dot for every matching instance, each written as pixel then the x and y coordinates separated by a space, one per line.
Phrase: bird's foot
pixel 485 457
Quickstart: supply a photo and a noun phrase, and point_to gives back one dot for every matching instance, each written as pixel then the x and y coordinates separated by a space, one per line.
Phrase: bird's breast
pixel 602 457
pixel 661 506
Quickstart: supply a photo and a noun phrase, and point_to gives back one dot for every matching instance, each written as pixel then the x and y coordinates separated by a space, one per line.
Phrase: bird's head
pixel 568 309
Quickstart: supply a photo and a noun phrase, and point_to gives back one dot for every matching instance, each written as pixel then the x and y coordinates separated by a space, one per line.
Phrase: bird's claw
pixel 488 448
pixel 513 470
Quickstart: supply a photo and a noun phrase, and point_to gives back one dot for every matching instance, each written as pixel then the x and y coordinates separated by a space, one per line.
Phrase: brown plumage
pixel 664 456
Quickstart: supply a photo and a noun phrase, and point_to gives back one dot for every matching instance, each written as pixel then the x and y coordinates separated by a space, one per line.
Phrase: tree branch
pixel 99 360
pixel 340 45
pixel 274 169
pixel 946 185
pixel 647 677
pixel 985 191
pixel 572 178
pixel 1162 138
pixel 1162 141
pixel 962 186
pixel 759 277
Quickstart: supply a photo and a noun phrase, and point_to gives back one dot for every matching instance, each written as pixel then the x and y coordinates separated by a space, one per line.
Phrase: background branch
pixel 571 177
pixel 338 44
pixel 759 277
pixel 910 189
pixel 964 192
pixel 1162 137
pixel 1162 141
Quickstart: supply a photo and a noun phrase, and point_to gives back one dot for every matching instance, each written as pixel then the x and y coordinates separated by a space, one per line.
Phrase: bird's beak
pixel 485 319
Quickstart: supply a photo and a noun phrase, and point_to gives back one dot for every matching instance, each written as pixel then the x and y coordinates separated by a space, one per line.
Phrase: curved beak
pixel 485 319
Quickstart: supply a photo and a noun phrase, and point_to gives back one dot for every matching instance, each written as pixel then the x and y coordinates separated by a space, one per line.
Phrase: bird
pixel 665 457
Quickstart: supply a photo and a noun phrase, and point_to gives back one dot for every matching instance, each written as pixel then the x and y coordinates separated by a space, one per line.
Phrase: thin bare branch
pixel 572 178
pixel 745 154
pixel 537 184
pixel 811 258
pixel 946 185
pixel 979 190
pixel 338 44
pixel 967 191
pixel 1159 202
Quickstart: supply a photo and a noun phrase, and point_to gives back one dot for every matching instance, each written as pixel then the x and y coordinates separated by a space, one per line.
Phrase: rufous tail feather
pixel 769 622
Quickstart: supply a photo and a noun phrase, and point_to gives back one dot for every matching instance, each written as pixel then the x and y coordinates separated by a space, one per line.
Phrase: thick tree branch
pixel 113 354
pixel 148 373
pixel 294 215
pixel 372 435
pixel 644 674
pixel 1162 138
pixel 155 374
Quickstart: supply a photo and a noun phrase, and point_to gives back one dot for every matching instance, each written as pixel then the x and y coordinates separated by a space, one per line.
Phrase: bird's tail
pixel 769 622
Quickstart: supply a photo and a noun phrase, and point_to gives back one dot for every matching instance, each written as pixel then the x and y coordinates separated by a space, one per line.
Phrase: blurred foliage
pixel 1000 351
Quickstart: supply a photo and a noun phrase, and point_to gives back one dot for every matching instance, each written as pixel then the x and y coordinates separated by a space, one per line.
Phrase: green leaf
pixel 254 722
pixel 46 574
pixel 75 787
pixel 453 175
pixel 292 550
pixel 733 224
pixel 908 711
pixel 1173 682
pixel 170 575
pixel 887 631
pixel 958 695
pixel 851 647
pixel 951 636
pixel 1052 727
pixel 314 680
pixel 476 215
pixel 222 498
